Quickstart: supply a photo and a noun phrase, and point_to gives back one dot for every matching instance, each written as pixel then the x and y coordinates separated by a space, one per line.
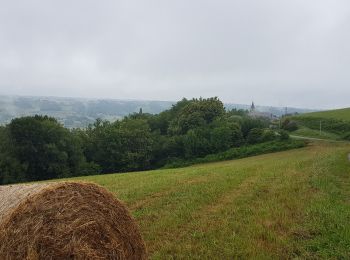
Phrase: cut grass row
pixel 282 205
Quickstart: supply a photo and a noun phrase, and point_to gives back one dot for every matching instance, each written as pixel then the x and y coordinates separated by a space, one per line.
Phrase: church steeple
pixel 252 107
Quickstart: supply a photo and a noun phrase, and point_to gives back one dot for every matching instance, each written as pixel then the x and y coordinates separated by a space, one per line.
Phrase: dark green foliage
pixel 123 145
pixel 283 135
pixel 226 133
pixel 197 142
pixel 259 135
pixel 240 152
pixel 195 113
pixel 346 136
pixel 238 112
pixel 289 125
pixel 268 135
pixel 248 123
pixel 255 136
pixel 38 148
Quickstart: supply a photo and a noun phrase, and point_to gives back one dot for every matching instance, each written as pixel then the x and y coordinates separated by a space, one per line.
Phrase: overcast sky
pixel 275 52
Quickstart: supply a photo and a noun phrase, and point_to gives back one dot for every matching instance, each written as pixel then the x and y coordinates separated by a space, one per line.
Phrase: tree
pixel 11 170
pixel 121 146
pixel 42 149
pixel 268 135
pixel 196 113
pixel 225 135
pixel 289 125
pixel 255 135
pixel 248 123
pixel 283 135
pixel 196 143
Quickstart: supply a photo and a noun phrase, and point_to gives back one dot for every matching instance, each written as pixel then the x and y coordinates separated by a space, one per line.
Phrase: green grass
pixel 332 122
pixel 307 132
pixel 339 114
pixel 291 204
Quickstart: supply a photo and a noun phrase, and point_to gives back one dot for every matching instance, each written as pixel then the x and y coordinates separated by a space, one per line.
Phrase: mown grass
pixel 292 204
pixel 340 114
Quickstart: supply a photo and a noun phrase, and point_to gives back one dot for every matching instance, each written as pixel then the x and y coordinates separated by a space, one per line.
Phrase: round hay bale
pixel 67 220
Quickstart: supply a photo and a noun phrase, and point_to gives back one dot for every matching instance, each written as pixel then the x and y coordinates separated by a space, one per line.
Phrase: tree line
pixel 39 148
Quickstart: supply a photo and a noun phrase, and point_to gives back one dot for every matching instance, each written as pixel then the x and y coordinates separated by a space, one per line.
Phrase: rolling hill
pixel 292 204
pixel 339 114
pixel 331 124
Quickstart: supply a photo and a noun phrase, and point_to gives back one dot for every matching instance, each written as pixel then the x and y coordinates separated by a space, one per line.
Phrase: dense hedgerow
pixel 39 148
pixel 241 152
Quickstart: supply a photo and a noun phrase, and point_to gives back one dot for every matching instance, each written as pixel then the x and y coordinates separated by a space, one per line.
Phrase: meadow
pixel 339 114
pixel 332 124
pixel 307 132
pixel 291 204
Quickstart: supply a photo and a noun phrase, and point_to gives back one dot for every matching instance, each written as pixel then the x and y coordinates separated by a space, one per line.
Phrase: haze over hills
pixel 79 112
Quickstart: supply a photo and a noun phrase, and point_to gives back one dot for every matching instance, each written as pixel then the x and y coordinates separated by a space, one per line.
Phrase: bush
pixel 283 135
pixel 241 152
pixel 248 123
pixel 346 136
pixel 268 135
pixel 255 136
pixel 289 125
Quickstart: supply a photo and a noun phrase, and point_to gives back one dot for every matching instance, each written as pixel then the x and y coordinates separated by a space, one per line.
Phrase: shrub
pixel 283 135
pixel 241 152
pixel 268 135
pixel 255 136
pixel 346 136
pixel 289 125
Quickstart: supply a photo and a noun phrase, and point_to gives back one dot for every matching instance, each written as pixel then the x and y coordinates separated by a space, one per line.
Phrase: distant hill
pixel 80 112
pixel 339 114
pixel 75 112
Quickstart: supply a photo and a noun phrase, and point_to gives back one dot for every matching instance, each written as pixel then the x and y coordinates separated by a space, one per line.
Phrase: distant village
pixel 253 112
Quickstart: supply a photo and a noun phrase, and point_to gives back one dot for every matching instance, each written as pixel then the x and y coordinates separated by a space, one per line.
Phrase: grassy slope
pixel 309 124
pixel 281 205
pixel 307 132
pixel 340 114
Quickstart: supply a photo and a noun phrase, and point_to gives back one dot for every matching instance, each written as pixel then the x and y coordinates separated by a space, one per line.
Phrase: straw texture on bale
pixel 68 220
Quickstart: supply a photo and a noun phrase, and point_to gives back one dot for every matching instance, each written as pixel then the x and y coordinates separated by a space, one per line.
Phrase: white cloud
pixel 277 52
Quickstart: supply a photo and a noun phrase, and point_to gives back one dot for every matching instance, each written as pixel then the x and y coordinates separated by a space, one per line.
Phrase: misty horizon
pixel 156 100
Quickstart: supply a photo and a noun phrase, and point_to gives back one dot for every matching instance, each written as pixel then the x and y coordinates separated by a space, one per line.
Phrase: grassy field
pixel 292 204
pixel 339 114
pixel 307 132
pixel 335 124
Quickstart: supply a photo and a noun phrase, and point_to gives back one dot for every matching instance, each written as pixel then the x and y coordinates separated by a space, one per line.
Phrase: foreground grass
pixel 292 204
